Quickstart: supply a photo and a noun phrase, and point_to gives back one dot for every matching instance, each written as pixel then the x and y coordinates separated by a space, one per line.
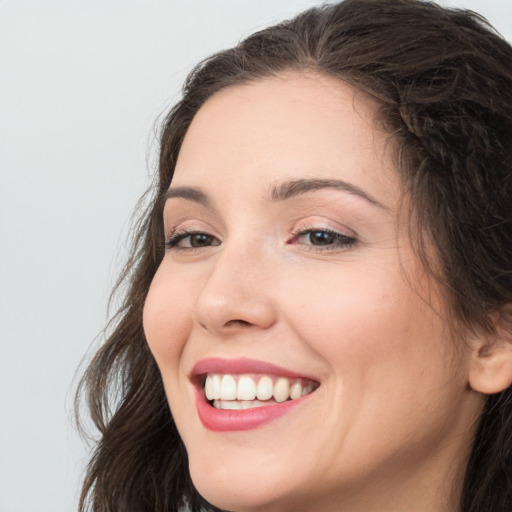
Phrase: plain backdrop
pixel 82 83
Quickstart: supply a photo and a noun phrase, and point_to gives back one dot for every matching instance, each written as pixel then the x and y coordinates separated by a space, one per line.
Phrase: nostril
pixel 238 323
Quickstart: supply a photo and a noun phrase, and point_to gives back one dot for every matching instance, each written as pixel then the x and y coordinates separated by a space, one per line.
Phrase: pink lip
pixel 242 365
pixel 221 420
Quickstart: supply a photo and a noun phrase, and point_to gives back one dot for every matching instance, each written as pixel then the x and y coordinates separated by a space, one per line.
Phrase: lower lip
pixel 223 420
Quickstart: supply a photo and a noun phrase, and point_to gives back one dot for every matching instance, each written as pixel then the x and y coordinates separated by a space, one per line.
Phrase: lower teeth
pixel 241 404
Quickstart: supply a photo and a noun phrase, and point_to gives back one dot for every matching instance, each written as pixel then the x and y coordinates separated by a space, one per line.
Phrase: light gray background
pixel 81 85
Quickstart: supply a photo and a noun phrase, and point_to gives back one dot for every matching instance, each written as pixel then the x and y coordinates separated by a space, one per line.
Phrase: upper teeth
pixel 248 387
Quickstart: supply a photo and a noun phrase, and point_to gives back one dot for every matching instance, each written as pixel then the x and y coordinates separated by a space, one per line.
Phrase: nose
pixel 236 294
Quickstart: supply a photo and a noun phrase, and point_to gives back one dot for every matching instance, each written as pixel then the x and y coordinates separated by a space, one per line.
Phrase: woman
pixel 318 314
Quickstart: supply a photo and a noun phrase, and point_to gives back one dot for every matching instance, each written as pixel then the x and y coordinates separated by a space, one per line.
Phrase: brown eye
pixel 187 240
pixel 321 237
pixel 324 239
pixel 200 240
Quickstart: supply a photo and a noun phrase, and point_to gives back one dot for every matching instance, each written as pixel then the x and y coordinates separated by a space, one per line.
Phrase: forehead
pixel 290 126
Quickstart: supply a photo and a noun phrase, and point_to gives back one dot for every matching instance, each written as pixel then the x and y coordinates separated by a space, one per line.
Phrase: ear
pixel 490 368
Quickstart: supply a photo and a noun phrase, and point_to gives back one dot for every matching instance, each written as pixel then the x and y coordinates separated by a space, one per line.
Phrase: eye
pixel 323 239
pixel 190 240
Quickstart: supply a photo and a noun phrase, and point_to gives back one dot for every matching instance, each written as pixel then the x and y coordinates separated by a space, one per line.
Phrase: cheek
pixel 166 319
pixel 391 363
pixel 368 323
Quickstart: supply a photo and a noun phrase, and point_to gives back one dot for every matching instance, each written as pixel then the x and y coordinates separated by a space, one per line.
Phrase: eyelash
pixel 172 241
pixel 341 241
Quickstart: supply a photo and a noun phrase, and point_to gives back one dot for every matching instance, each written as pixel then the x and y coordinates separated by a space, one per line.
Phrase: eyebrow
pixel 190 193
pixel 281 192
pixel 298 187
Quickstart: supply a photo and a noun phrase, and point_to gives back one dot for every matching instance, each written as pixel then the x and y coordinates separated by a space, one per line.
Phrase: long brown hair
pixel 444 81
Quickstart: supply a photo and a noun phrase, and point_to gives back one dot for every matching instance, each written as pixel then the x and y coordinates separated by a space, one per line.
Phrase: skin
pixel 391 425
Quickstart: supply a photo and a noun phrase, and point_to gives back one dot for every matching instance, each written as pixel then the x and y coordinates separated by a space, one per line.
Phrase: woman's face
pixel 288 272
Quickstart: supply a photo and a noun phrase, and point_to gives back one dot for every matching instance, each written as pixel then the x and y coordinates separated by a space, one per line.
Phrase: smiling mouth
pixel 247 391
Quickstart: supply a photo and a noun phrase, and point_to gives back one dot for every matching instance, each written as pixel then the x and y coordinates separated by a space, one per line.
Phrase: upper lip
pixel 242 366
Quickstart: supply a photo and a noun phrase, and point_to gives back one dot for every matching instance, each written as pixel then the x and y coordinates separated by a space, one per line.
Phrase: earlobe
pixel 491 363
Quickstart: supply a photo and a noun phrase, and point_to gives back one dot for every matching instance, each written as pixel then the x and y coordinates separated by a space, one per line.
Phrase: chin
pixel 237 489
pixel 251 496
